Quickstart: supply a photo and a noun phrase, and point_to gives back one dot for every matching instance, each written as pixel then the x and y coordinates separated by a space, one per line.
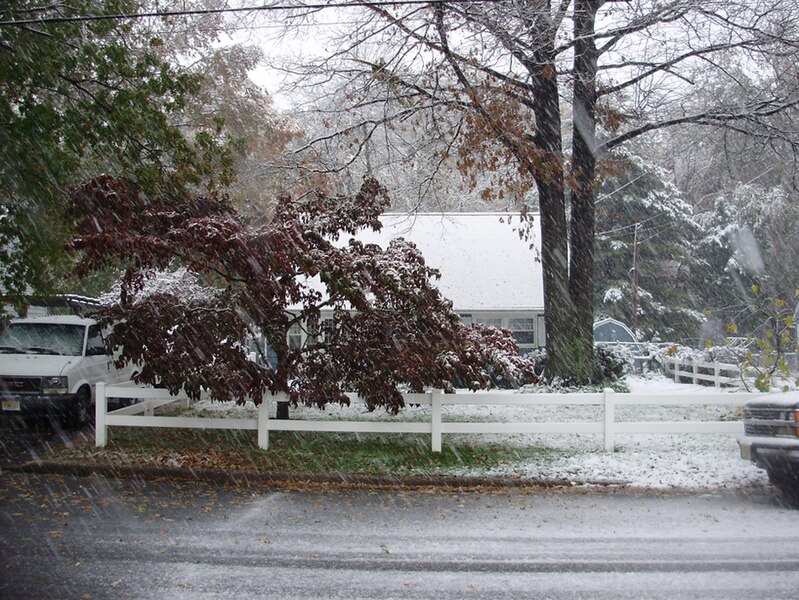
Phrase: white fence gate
pixel 141 414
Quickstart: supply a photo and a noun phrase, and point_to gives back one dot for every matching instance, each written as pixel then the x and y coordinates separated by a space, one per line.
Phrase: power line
pixel 241 9
pixel 631 225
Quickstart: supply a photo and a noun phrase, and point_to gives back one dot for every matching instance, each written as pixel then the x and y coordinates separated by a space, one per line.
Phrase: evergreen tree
pixel 749 242
pixel 644 225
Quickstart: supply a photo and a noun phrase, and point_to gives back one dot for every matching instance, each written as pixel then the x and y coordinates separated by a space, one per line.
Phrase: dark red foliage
pixel 393 330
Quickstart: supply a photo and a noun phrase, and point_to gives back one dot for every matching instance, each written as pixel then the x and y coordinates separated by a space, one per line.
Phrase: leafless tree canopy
pixel 528 96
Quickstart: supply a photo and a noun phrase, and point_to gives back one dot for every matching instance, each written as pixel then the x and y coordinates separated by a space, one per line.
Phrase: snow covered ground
pixel 683 461
pixel 688 461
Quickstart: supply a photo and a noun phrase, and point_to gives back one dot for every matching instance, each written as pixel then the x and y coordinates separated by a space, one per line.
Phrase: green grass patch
pixel 300 452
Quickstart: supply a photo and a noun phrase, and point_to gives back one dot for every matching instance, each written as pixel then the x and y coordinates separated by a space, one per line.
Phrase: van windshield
pixel 43 338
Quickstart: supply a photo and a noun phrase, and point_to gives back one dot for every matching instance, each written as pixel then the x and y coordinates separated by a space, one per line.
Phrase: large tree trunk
pixel 559 316
pixel 582 180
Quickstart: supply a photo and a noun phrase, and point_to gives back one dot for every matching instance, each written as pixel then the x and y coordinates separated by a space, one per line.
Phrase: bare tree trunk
pixel 549 177
pixel 583 176
pixel 282 411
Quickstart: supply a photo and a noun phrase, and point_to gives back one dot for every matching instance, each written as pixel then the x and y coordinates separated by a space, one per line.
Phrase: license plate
pixel 12 405
pixel 746 452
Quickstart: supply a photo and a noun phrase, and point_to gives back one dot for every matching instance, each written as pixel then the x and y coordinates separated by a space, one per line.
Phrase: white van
pixel 49 367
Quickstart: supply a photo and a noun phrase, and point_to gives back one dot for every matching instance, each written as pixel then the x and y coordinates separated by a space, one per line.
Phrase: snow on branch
pixel 190 328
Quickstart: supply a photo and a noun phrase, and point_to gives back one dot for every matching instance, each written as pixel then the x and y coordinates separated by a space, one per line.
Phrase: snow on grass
pixel 657 461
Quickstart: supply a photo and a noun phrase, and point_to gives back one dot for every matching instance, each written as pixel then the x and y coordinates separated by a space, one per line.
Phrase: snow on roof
pixel 57 319
pixel 484 264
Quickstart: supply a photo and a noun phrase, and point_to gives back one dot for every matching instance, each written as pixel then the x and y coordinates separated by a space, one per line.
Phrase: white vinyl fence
pixel 688 370
pixel 141 414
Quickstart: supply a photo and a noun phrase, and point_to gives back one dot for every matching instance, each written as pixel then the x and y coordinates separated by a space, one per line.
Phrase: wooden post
pixel 100 410
pixel 435 402
pixel 635 278
pixel 676 370
pixel 610 419
pixel 696 370
pixel 716 374
pixel 263 422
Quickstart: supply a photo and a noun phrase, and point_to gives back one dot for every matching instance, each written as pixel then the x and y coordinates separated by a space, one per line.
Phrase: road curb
pixel 299 479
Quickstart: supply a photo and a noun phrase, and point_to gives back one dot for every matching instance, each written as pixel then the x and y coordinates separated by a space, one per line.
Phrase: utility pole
pixel 635 280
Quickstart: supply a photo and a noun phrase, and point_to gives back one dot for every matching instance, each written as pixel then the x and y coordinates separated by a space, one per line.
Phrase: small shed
pixel 611 331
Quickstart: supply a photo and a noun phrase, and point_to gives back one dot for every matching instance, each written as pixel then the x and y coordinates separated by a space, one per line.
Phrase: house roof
pixel 484 264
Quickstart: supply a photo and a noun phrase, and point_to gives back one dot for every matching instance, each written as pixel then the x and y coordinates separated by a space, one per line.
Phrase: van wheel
pixel 81 413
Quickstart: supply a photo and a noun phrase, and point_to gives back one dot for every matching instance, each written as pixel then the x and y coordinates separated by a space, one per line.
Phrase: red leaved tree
pixel 392 328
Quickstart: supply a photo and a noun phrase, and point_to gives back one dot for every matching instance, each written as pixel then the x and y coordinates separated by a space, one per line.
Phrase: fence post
pixel 716 375
pixel 148 407
pixel 263 422
pixel 435 416
pixel 100 410
pixel 610 419
pixel 676 370
pixel 696 370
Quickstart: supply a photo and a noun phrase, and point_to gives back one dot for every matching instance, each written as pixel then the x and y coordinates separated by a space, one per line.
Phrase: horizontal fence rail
pixel 693 371
pixel 142 414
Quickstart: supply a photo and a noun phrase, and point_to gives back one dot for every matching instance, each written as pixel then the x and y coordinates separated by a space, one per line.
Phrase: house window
pixel 490 322
pixel 295 337
pixel 327 330
pixel 523 330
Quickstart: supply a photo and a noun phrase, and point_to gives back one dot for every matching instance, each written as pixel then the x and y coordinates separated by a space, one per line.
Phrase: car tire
pixel 81 414
pixel 787 484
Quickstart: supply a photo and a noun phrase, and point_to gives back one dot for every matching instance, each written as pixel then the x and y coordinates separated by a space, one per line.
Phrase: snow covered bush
pixel 611 363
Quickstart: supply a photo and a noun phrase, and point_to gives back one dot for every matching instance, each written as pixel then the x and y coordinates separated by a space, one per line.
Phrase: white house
pixel 489 273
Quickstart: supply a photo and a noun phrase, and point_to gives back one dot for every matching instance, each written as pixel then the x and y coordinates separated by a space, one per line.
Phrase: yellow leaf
pixel 755 289
pixel 732 328
pixel 779 303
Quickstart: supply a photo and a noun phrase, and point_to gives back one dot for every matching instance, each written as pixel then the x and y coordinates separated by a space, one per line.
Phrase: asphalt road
pixel 70 537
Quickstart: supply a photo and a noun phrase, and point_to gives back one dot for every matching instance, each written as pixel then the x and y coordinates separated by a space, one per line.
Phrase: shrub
pixel 611 363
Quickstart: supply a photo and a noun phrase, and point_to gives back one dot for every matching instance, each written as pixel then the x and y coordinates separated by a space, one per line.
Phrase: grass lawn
pixel 290 452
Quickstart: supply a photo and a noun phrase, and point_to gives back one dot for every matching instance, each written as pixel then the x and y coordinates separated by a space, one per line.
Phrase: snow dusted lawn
pixel 684 461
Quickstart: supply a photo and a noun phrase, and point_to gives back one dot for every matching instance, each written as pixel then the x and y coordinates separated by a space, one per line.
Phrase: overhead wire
pixel 631 225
